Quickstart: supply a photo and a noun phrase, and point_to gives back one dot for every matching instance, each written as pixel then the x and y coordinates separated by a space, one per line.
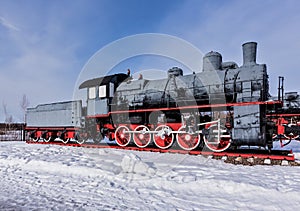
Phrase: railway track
pixel 238 157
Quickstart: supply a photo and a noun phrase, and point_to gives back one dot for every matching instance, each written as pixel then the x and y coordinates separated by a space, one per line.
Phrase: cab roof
pixel 115 79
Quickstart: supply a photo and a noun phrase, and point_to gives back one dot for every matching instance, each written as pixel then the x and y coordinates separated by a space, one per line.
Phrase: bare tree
pixel 24 104
pixel 4 109
pixel 8 117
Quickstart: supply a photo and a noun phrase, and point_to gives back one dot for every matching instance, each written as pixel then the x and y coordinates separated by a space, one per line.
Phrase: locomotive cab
pixel 100 92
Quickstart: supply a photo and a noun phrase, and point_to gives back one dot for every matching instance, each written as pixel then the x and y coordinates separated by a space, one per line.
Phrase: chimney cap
pixel 250 42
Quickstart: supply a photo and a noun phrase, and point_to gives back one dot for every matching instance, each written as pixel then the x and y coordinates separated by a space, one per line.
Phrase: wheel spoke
pixel 48 139
pixel 186 140
pixel 80 137
pixel 65 140
pixel 35 139
pixel 122 136
pixel 142 137
pixel 215 141
pixel 163 139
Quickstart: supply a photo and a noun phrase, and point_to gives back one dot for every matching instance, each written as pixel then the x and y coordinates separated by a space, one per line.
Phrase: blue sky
pixel 45 44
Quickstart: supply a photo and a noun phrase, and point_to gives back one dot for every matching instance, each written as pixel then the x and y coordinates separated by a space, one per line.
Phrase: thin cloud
pixel 8 25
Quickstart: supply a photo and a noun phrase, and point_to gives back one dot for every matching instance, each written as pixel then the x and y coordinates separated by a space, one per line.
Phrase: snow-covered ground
pixel 48 177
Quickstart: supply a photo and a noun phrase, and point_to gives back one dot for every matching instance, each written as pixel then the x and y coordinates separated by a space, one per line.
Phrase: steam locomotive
pixel 223 106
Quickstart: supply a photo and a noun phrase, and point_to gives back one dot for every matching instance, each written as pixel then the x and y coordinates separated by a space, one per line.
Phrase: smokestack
pixel 249 53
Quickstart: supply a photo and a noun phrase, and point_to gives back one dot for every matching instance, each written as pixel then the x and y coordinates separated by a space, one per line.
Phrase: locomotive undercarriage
pixel 185 129
pixel 63 135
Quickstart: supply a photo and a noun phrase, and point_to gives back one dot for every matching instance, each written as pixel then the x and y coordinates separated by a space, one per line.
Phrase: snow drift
pixel 45 177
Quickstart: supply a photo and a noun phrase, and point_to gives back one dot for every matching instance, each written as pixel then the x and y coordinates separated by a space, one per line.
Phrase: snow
pixel 133 164
pixel 294 145
pixel 50 177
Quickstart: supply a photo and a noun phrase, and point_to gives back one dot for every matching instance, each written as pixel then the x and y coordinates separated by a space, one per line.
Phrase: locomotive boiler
pixel 224 105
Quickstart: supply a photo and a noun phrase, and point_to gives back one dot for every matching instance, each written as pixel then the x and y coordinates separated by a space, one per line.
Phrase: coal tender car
pixel 56 121
pixel 223 106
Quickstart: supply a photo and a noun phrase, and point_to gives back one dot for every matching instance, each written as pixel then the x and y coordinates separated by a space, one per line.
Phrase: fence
pixel 12 132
